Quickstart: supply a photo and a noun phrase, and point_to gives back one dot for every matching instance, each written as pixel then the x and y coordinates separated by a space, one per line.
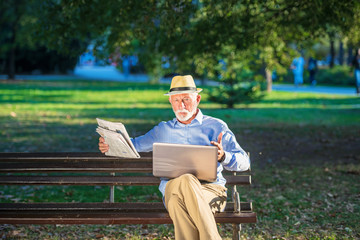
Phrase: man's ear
pixel 198 98
pixel 170 99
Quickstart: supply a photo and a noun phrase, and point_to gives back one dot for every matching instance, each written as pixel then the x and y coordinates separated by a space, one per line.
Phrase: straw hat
pixel 182 84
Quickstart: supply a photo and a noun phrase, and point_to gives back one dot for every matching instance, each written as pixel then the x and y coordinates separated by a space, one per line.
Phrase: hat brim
pixel 181 92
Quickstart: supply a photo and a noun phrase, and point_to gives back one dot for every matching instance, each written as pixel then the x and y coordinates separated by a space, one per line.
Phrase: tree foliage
pixel 190 29
pixel 24 39
pixel 196 36
pixel 15 22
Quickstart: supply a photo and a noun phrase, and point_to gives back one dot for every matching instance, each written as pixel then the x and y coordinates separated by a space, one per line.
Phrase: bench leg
pixel 112 191
pixel 237 208
pixel 236 231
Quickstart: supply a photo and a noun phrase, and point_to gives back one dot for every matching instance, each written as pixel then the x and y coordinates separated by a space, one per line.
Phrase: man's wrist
pixel 222 158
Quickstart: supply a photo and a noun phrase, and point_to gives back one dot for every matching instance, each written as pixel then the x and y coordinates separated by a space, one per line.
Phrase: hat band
pixel 182 89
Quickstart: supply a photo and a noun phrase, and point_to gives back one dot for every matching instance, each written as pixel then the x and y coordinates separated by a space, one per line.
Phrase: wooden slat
pixel 100 180
pixel 73 162
pixel 106 167
pixel 98 207
pixel 70 156
pixel 118 218
pixel 118 165
pixel 238 180
pixel 80 180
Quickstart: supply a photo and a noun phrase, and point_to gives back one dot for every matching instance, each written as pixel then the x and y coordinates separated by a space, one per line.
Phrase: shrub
pixel 338 75
pixel 241 92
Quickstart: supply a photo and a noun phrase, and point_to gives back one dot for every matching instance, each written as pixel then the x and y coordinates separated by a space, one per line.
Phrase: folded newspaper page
pixel 117 138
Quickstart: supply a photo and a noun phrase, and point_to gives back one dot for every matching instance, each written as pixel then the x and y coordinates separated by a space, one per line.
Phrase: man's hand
pixel 103 147
pixel 218 144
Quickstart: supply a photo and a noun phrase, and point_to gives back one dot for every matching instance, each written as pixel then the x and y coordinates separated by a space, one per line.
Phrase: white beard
pixel 183 118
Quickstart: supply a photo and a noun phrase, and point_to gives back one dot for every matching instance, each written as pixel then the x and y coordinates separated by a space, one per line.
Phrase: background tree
pixel 14 22
pixel 23 49
pixel 195 35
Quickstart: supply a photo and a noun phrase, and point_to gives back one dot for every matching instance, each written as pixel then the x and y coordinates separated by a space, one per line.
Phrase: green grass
pixel 52 114
pixel 294 199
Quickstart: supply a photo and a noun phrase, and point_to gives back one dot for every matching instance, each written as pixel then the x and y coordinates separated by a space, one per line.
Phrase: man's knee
pixel 187 177
pixel 188 181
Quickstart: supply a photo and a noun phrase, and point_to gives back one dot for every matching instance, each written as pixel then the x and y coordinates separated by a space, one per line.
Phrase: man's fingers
pixel 218 144
pixel 103 147
pixel 102 142
pixel 220 137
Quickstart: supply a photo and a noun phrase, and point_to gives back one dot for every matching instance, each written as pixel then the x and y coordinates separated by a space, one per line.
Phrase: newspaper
pixel 117 138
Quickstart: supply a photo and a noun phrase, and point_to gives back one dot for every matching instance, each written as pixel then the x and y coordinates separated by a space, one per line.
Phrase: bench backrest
pixel 11 164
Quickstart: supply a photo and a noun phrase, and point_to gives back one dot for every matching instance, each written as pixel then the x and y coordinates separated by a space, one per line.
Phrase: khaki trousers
pixel 191 206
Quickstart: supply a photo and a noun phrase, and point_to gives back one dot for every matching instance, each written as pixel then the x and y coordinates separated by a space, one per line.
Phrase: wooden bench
pixel 69 169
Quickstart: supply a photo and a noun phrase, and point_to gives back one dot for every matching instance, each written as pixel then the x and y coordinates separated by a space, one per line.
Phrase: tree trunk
pixel 341 53
pixel 11 63
pixel 268 74
pixel 11 53
pixel 203 78
pixel 332 53
pixel 350 55
pixel 229 105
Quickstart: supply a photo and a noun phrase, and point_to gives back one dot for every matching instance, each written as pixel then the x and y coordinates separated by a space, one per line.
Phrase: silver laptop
pixel 174 160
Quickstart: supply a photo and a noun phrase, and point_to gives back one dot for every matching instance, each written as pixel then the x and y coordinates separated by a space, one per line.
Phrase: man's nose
pixel 182 105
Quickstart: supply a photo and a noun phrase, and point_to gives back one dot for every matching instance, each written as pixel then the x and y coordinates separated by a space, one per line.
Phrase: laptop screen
pixel 174 160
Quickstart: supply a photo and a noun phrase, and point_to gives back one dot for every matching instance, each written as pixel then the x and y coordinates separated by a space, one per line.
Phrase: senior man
pixel 192 203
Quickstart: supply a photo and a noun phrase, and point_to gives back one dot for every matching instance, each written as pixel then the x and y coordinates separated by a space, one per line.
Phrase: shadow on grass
pixel 315 101
pixel 80 85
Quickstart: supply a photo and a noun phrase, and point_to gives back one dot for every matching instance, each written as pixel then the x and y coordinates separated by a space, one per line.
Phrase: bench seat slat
pixel 118 218
pixel 101 180
pixel 119 165
pixel 80 180
pixel 100 207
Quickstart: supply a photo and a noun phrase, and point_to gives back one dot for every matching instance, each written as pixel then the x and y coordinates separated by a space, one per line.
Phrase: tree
pixel 20 37
pixel 12 19
pixel 153 25
pixel 196 35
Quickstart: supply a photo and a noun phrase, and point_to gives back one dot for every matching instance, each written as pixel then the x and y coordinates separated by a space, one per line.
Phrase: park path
pixel 314 89
pixel 110 73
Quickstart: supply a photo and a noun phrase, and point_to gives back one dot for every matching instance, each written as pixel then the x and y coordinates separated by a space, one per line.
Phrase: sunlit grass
pixel 62 113
pixel 47 98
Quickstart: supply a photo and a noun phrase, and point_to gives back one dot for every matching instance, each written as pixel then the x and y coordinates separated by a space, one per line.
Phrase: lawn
pixel 304 149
